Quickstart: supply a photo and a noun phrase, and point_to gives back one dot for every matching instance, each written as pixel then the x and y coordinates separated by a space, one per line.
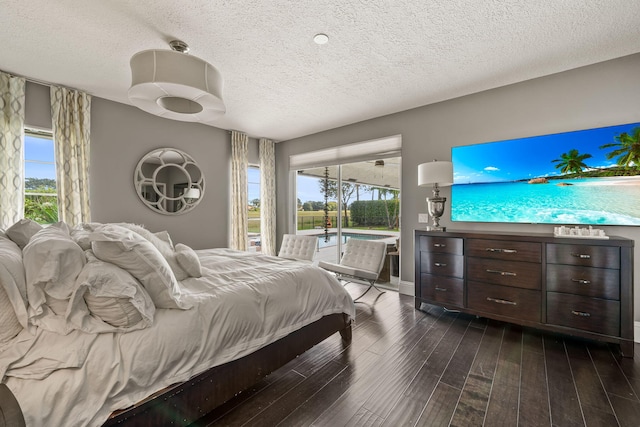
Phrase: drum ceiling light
pixel 175 85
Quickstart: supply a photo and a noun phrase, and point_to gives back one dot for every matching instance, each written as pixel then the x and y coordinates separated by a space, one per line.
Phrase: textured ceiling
pixel 382 57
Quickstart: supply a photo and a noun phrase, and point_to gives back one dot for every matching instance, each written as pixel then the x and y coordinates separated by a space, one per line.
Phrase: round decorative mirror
pixel 169 181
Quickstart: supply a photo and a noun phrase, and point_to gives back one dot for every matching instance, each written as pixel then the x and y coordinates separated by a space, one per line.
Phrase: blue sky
pixel 530 157
pixel 40 149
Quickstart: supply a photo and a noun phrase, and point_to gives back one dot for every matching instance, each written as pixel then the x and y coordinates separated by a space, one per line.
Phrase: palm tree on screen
pixel 627 148
pixel 571 162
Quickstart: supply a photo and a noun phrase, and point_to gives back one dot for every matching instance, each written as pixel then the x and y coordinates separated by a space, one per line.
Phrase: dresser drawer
pixel 444 290
pixel 589 314
pixel 508 273
pixel 442 264
pixel 587 281
pixel 589 256
pixel 445 245
pixel 504 249
pixel 522 304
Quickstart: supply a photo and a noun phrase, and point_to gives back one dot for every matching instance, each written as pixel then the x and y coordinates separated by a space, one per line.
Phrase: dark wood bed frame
pixel 184 403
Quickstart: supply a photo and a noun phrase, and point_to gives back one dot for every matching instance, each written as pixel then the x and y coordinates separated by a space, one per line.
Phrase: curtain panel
pixel 11 149
pixel 71 119
pixel 267 196
pixel 239 202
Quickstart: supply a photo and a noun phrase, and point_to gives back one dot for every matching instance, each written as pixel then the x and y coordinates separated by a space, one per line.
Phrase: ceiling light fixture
pixel 321 38
pixel 175 85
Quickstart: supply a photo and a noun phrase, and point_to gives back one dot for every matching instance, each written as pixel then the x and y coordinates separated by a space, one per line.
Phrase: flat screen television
pixel 586 177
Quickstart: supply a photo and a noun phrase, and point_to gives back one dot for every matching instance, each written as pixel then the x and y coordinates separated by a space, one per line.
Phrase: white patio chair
pixel 301 248
pixel 362 260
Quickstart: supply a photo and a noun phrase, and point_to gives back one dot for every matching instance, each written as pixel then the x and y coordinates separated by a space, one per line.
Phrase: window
pixel 253 197
pixel 41 198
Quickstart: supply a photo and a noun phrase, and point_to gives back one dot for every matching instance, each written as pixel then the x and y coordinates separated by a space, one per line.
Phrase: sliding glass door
pixel 358 200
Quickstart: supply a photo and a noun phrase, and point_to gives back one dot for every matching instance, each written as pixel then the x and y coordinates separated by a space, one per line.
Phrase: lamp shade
pixel 435 172
pixel 176 86
pixel 192 193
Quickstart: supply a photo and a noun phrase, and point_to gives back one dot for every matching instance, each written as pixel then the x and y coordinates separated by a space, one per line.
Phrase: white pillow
pixel 132 252
pixel 22 231
pixel 188 260
pixel 109 299
pixel 52 262
pixel 9 324
pixel 164 236
pixel 165 248
pixel 12 279
pixel 81 233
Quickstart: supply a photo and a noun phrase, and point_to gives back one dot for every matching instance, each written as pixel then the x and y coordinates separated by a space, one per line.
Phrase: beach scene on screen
pixel 583 177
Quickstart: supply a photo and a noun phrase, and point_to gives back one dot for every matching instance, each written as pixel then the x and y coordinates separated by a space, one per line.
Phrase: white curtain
pixel 268 196
pixel 239 215
pixel 11 149
pixel 71 119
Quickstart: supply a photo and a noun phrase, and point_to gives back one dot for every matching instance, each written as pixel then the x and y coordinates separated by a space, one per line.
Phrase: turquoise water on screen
pixel 603 201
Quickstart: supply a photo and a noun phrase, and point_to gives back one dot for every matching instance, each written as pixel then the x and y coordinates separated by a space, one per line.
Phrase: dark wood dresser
pixel 581 287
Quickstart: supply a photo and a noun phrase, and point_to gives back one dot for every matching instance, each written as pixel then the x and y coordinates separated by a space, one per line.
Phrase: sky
pixel 40 149
pixel 531 157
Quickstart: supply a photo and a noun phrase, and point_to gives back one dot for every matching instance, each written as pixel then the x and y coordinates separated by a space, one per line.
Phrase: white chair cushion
pixel 367 255
pixel 298 247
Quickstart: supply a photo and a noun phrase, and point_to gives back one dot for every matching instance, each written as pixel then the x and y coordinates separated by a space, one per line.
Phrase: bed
pixel 193 343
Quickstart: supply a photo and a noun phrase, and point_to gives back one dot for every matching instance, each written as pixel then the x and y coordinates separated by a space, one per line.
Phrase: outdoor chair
pixel 362 260
pixel 298 247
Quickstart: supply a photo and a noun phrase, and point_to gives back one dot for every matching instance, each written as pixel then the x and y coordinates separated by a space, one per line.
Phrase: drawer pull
pixel 582 281
pixel 580 313
pixel 439 245
pixel 501 301
pixel 581 256
pixel 502 273
pixel 441 289
pixel 440 264
pixel 502 251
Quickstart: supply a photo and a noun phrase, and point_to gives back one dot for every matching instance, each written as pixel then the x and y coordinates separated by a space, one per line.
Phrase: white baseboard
pixel 636 331
pixel 407 288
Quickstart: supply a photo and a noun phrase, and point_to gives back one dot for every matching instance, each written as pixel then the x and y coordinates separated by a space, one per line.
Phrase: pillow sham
pixel 12 279
pixel 188 260
pixel 165 248
pixel 135 254
pixel 52 262
pixel 22 231
pixel 109 299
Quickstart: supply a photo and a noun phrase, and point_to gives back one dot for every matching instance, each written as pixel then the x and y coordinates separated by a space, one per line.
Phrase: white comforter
pixel 242 303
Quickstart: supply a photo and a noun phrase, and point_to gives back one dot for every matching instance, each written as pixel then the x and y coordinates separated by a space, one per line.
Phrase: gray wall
pixel 120 136
pixel 594 96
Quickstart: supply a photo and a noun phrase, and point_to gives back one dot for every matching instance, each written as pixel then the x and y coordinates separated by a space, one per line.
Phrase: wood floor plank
pixel 502 409
pixel 456 372
pixel 627 410
pixel 440 344
pixel 612 377
pixel 315 405
pixel 240 414
pixel 473 401
pixel 297 395
pixel 534 395
pixel 364 418
pixel 440 408
pixel 345 408
pixel 590 389
pixel 563 397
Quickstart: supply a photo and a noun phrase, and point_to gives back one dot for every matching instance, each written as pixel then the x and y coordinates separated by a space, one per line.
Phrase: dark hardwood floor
pixel 407 367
